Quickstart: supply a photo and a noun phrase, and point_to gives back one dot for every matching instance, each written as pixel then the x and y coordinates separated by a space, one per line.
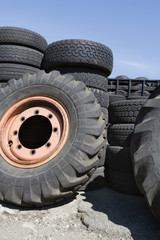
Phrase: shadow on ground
pixel 129 211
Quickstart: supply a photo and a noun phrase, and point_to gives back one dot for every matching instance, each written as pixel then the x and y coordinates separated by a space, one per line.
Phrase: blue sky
pixel 131 28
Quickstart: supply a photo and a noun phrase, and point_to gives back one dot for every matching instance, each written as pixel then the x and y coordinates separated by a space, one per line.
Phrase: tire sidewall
pixel 62 97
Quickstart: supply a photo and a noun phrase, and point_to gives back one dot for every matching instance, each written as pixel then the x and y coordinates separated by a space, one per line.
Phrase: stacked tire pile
pixel 21 51
pixel 54 123
pixel 119 168
pixel 53 130
pixel 112 89
pixel 122 87
pixel 89 62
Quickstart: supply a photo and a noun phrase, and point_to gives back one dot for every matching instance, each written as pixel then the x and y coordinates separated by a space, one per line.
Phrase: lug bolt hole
pixel 22 118
pixel 36 112
pixel 55 129
pixel 50 116
pixel 15 132
pixel 48 144
pixel 33 152
pixel 19 146
pixel 10 143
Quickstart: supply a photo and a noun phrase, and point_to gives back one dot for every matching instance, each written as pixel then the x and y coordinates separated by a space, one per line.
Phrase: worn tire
pixel 120 134
pixel 119 170
pixel 20 55
pixel 16 71
pixel 91 77
pixel 115 98
pixel 76 52
pixel 22 37
pixel 145 151
pixel 102 97
pixel 63 174
pixel 122 182
pixel 125 111
pixel 119 159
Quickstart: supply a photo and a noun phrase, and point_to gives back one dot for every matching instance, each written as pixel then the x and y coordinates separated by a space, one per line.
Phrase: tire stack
pixel 119 169
pixel 113 94
pixel 21 51
pixel 137 94
pixel 91 63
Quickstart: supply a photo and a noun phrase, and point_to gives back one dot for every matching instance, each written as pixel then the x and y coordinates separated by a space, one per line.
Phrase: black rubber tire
pixel 16 71
pixel 145 151
pixel 77 52
pixel 22 37
pixel 125 111
pixel 115 98
pixel 74 164
pixel 91 77
pixel 20 55
pixel 96 181
pixel 120 134
pixel 122 182
pixel 119 170
pixel 119 159
pixel 102 97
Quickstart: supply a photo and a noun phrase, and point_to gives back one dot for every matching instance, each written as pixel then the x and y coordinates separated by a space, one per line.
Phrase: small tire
pixel 78 53
pixel 120 134
pixel 102 97
pixel 22 37
pixel 115 98
pixel 20 55
pixel 125 111
pixel 119 170
pixel 34 172
pixel 122 182
pixel 119 159
pixel 91 77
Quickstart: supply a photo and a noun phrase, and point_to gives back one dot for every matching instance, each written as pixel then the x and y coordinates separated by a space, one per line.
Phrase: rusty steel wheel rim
pixel 33 131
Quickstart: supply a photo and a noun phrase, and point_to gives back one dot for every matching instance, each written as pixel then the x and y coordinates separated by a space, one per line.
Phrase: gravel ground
pixel 100 214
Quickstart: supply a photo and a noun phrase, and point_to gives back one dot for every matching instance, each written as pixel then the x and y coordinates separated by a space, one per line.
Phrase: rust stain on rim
pixel 11 147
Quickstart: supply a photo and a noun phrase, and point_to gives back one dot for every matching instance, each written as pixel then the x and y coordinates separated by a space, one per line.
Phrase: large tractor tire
pixel 52 136
pixel 145 151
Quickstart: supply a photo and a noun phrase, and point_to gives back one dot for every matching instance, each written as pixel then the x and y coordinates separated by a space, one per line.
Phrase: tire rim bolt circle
pixel 55 129
pixel 10 143
pixel 33 152
pixel 48 144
